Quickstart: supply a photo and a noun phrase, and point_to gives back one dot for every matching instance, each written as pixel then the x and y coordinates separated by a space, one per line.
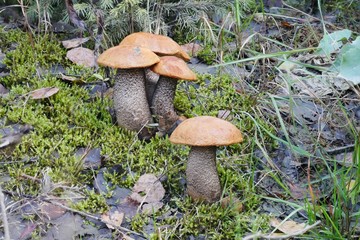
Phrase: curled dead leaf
pixel 148 192
pixel 73 43
pixel 287 227
pixel 148 189
pixel 71 79
pixel 82 56
pixel 43 92
pixel 51 211
pixel 112 219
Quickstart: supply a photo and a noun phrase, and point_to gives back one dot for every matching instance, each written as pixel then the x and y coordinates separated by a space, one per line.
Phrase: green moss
pixel 94 203
pixel 207 54
pixel 31 55
pixel 211 221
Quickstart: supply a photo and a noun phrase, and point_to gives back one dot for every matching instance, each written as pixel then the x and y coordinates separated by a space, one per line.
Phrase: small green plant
pixel 207 55
pixel 94 203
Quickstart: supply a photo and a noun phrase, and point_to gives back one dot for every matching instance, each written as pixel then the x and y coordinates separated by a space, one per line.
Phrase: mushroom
pixel 203 134
pixel 171 69
pixel 159 44
pixel 130 103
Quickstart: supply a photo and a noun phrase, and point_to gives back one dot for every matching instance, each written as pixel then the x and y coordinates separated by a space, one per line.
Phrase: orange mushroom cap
pixel 127 57
pixel 206 131
pixel 159 44
pixel 173 67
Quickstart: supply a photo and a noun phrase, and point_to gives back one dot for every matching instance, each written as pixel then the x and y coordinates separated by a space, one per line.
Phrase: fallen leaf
pixel 232 203
pixel 148 189
pixel 73 43
pixel 51 211
pixel 91 158
pixel 3 90
pixel 82 56
pixel 298 192
pixel 192 49
pixel 149 208
pixel 69 226
pixel 288 227
pixel 112 219
pixel 71 79
pixel 43 92
pixel 28 231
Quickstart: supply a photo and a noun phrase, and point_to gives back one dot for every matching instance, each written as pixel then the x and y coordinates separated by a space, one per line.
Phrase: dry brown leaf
pixel 287 227
pixel 112 219
pixel 233 203
pixel 73 43
pixel 82 56
pixel 150 208
pixel 148 189
pixel 3 90
pixel 44 92
pixel 298 192
pixel 71 79
pixel 192 49
pixel 51 211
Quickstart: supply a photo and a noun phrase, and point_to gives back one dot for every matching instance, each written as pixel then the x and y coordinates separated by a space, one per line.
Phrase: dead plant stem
pixel 4 217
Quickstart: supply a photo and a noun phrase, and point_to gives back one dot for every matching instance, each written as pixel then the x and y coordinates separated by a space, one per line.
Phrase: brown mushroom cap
pixel 159 44
pixel 173 67
pixel 206 131
pixel 127 57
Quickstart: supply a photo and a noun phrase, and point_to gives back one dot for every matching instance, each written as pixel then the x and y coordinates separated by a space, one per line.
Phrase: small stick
pixel 334 151
pixel 3 211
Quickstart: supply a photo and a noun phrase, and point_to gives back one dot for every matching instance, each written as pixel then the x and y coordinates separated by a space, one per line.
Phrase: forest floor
pixel 67 171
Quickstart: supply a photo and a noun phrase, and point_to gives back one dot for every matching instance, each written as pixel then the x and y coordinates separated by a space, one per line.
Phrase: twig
pixel 285 236
pixel 4 218
pixel 334 151
pixel 34 179
pixel 91 216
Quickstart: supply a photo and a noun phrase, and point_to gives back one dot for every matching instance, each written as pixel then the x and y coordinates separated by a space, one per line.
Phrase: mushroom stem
pixel 203 182
pixel 130 103
pixel 162 102
pixel 151 80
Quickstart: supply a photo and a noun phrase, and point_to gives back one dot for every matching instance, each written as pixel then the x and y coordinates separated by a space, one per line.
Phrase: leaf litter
pixel 43 92
pixel 148 192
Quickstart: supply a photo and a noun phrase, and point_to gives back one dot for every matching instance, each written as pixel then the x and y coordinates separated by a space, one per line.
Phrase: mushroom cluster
pixel 137 97
pixel 148 68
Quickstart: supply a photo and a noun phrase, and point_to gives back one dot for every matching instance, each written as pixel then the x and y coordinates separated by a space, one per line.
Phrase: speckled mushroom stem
pixel 130 103
pixel 203 182
pixel 162 103
pixel 151 80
